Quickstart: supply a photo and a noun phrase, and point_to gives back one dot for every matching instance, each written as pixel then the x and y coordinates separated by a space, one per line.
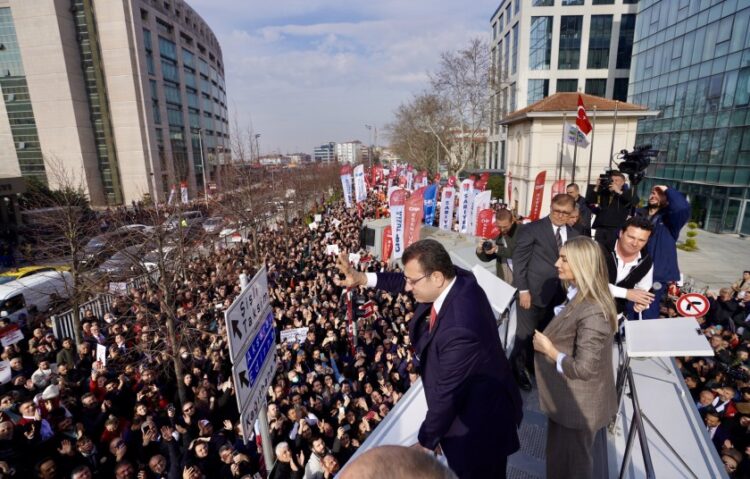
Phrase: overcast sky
pixel 306 72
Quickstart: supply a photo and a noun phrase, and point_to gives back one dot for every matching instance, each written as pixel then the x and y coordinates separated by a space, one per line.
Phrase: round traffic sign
pixel 692 304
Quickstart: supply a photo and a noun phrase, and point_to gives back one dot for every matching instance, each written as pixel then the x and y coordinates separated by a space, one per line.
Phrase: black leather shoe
pixel 523 379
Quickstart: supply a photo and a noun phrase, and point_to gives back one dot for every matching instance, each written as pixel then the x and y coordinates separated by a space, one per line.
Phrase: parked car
pixel 40 290
pixel 122 264
pixel 213 225
pixel 103 246
pixel 151 260
pixel 185 218
pixel 27 271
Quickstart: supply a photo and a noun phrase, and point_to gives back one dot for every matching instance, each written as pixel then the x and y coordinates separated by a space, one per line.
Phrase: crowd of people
pixel 112 406
pixel 68 413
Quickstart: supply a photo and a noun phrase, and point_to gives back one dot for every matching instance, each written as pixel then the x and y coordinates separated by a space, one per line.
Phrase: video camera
pixel 633 164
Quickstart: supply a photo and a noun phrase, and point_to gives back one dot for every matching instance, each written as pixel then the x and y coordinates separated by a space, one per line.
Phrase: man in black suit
pixel 474 407
pixel 537 249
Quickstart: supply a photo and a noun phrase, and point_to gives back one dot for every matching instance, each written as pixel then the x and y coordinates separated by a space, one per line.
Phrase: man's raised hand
pixel 351 277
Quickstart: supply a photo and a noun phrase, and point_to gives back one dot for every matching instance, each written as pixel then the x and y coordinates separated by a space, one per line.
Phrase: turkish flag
pixel 582 120
pixel 387 243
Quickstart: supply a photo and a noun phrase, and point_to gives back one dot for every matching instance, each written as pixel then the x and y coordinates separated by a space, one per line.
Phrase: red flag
pixel 582 120
pixel 558 187
pixel 536 200
pixel 414 212
pixel 485 223
pixel 510 188
pixel 451 182
pixel 387 244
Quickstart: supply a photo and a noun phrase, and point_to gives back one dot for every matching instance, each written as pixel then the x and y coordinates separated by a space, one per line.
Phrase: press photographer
pixel 502 248
pixel 612 200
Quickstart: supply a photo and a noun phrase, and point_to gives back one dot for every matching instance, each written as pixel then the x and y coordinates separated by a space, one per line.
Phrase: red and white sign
pixel 10 335
pixel 692 304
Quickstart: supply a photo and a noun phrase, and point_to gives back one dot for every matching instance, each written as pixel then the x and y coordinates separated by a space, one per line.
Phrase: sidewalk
pixel 719 261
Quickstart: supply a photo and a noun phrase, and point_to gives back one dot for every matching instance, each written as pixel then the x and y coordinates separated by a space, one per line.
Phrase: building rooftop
pixel 568 102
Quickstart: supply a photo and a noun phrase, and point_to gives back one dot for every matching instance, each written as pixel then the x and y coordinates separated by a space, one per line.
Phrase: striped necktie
pixel 558 238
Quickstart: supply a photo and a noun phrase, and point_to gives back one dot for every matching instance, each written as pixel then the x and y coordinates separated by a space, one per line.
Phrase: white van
pixel 37 290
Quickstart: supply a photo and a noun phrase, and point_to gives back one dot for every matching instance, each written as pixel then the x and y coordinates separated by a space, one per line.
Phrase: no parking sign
pixel 692 304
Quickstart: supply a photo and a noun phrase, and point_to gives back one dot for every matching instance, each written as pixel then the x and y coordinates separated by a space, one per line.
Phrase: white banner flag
pixel 184 193
pixel 465 195
pixel 571 131
pixel 346 185
pixel 360 188
pixel 396 202
pixel 447 202
pixel 481 202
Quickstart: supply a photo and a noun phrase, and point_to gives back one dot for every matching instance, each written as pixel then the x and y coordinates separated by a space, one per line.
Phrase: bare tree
pixel 61 225
pixel 462 82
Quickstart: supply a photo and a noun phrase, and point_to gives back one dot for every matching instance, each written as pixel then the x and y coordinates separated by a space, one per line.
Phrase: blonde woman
pixel 573 362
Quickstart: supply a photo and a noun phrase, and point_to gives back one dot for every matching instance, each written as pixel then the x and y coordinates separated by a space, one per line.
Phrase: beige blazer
pixel 583 396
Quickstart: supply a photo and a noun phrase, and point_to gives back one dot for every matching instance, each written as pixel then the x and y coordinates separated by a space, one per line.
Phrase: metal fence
pixel 62 324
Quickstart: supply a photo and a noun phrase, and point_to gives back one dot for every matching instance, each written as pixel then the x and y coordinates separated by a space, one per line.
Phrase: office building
pixel 691 60
pixel 350 151
pixel 325 152
pixel 127 96
pixel 542 47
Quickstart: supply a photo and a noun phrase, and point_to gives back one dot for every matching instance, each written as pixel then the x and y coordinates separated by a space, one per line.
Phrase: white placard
pixel 354 258
pixel 5 372
pixel 332 249
pixel 101 354
pixel 336 223
pixel 313 226
pixel 10 334
pixel 318 218
pixel 294 335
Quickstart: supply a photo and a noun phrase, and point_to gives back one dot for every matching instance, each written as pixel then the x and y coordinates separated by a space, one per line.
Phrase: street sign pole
pixel 250 326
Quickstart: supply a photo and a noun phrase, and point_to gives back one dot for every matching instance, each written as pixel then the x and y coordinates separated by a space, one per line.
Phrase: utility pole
pixel 257 148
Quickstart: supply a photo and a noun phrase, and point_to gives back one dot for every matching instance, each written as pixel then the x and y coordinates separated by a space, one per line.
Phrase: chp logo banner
pixel 481 202
pixel 396 202
pixel 574 136
pixel 430 202
pixel 413 220
pixel 451 182
pixel 447 202
pixel 184 192
pixel 536 200
pixel 346 184
pixel 360 188
pixel 558 187
pixel 387 243
pixel 485 223
pixel 172 192
pixel 466 195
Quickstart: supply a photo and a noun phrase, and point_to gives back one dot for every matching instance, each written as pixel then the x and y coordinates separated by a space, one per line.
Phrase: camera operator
pixel 502 249
pixel 614 200
pixel 668 210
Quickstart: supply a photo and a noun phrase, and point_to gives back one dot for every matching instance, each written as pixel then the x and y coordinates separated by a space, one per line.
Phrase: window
pixel 174 116
pixel 517 6
pixel 512 97
pixel 625 42
pixel 567 85
pixel 570 41
pixel 596 86
pixel 538 89
pixel 542 3
pixel 172 94
pixel 540 47
pixel 506 60
pixel 567 3
pixel 603 2
pixel 514 58
pixel 620 90
pixel 599 37
pixel 167 48
pixel 156 111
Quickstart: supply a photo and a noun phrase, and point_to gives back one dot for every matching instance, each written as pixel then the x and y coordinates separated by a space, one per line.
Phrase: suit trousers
pixel 527 320
pixel 569 452
pixel 495 470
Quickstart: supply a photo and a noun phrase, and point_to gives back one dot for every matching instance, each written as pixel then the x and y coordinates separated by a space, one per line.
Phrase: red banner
pixel 480 185
pixel 558 187
pixel 387 243
pixel 485 223
pixel 536 200
pixel 414 210
pixel 451 182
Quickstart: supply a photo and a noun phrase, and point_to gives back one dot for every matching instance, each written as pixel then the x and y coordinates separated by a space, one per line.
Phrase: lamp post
pixel 257 148
pixel 203 166
pixel 369 156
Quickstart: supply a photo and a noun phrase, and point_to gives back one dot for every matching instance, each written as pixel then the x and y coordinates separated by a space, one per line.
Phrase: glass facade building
pixel 691 61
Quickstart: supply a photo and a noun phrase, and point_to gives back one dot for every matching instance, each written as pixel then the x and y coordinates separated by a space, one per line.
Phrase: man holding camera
pixel 614 200
pixel 502 249
pixel 583 224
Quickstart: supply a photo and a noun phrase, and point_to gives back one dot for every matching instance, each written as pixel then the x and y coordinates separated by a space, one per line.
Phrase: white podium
pixel 665 337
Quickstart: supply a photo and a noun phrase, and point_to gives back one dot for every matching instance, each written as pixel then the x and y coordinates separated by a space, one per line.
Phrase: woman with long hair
pixel 573 361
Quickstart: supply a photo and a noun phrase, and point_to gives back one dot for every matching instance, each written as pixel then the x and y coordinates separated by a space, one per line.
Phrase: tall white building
pixel 126 95
pixel 541 47
pixel 350 151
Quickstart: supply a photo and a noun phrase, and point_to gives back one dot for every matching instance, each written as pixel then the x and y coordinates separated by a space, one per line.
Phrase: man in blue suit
pixel 474 405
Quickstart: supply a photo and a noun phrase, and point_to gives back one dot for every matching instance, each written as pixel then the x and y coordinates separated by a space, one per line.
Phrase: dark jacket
pixel 584 222
pixel 613 209
pixel 505 244
pixel 662 245
pixel 473 403
pixel 534 262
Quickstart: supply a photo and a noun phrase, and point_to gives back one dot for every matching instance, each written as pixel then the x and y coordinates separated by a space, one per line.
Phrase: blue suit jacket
pixel 474 405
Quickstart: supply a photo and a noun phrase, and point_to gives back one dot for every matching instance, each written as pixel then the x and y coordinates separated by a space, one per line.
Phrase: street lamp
pixel 203 166
pixel 369 156
pixel 257 148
